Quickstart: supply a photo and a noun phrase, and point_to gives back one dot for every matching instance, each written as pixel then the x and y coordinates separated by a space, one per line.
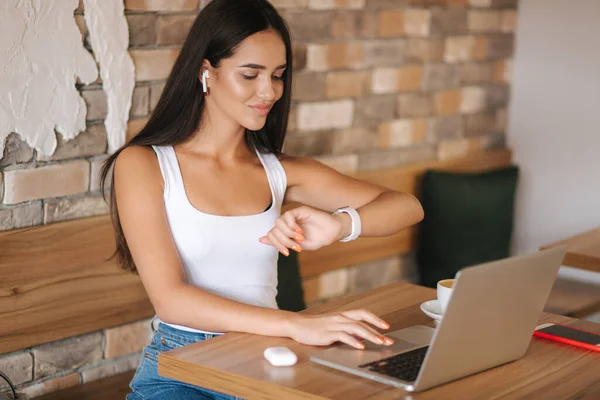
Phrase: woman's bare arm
pixel 383 211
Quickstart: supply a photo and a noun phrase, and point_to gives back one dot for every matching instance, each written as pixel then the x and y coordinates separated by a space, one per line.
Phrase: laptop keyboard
pixel 404 366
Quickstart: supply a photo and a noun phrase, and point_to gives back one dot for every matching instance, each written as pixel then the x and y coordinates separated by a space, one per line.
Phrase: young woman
pixel 197 195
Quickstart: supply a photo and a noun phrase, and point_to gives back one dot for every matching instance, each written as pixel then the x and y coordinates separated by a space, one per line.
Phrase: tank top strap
pixel 169 168
pixel 275 174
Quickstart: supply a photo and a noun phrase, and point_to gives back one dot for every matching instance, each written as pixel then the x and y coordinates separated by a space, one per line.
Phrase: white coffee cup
pixel 444 290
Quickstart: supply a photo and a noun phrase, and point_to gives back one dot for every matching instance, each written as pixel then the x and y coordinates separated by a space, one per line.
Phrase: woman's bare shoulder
pixel 139 163
pixel 136 154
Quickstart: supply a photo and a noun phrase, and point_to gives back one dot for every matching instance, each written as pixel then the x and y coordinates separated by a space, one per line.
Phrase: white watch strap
pixel 356 224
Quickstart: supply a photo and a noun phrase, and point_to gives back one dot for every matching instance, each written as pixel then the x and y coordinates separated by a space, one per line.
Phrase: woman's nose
pixel 266 91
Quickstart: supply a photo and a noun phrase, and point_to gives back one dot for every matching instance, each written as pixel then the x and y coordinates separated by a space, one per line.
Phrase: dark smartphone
pixel 568 335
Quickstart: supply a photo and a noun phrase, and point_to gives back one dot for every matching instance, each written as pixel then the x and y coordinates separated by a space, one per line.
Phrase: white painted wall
pixel 42 54
pixel 554 121
pixel 109 36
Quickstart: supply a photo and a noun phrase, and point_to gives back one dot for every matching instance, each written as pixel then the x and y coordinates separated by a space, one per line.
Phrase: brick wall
pixel 378 83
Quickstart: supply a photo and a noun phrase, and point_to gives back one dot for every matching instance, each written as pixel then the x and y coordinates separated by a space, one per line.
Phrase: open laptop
pixel 489 321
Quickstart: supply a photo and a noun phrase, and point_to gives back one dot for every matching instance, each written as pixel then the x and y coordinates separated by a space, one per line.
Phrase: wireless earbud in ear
pixel 204 85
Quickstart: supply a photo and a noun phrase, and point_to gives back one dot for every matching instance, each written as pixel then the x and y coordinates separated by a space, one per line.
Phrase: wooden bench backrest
pixel 56 282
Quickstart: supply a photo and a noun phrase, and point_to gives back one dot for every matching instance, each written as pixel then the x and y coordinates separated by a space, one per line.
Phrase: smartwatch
pixel 356 225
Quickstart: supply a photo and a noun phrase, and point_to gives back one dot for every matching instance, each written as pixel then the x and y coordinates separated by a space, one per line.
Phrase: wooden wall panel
pixel 56 282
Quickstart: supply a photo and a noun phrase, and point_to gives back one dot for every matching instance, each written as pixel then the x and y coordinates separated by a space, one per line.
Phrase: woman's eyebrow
pixel 257 66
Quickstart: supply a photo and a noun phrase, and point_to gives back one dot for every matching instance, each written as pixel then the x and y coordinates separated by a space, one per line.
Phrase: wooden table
pixel 234 363
pixel 583 250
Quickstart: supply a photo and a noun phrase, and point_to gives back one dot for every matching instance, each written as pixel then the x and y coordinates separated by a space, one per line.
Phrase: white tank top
pixel 222 254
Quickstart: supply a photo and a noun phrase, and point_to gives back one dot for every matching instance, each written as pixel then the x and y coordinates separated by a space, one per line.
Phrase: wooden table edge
pixel 174 368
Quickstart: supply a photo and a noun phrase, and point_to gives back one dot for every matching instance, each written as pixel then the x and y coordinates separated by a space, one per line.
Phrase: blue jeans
pixel 147 384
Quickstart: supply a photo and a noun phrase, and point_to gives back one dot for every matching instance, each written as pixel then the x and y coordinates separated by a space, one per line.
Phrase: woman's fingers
pixel 386 340
pixel 278 245
pixel 286 234
pixel 364 325
pixel 290 220
pixel 364 315
pixel 280 241
pixel 364 332
pixel 343 337
pixel 285 240
pixel 287 230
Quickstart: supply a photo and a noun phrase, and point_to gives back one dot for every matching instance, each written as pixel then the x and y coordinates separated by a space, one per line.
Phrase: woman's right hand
pixel 347 327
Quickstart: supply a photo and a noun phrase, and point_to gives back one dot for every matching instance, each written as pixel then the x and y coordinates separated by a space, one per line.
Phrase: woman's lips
pixel 262 110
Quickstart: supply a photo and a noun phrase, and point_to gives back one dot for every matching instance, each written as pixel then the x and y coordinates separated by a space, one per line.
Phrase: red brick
pixel 447 21
pixel 69 208
pixel 401 133
pixel 173 29
pixel 309 144
pixel 325 115
pixel 322 57
pixel 355 139
pixel 374 109
pixel 153 64
pixel 509 21
pixel 424 50
pixel 389 80
pixel 417 22
pixel 97 106
pixel 56 180
pixel 391 23
pixel 309 86
pixel 471 73
pixel 300 56
pixel 348 83
pixel 289 3
pixel 346 164
pixel 308 25
pixel 142 30
pixel 473 99
pixel 484 21
pixel 161 5
pixel 384 53
pixel 355 24
pixel 447 102
pixel 417 104
pixel 336 4
pixel 127 339
pixel 465 48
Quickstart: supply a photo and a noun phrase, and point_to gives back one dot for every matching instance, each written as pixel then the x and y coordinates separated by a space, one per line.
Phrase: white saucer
pixel 432 309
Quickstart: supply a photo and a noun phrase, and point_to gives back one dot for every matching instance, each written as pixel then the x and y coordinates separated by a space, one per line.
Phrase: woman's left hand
pixel 303 228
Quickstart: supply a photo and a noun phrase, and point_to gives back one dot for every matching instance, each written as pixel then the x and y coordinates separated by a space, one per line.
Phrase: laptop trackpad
pixel 418 334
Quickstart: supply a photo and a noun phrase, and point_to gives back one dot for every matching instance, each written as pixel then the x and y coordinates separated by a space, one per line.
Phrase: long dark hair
pixel 219 28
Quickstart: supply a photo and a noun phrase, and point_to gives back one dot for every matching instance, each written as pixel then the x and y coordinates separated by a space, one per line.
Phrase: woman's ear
pixel 206 66
pixel 205 72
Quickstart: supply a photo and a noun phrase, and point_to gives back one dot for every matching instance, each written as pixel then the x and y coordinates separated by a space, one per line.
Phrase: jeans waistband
pixel 179 334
